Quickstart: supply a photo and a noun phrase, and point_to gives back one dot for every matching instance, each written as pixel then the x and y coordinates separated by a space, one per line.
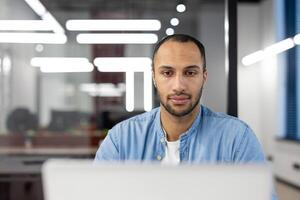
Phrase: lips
pixel 180 100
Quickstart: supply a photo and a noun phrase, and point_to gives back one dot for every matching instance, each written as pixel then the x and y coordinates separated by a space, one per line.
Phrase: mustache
pixel 179 94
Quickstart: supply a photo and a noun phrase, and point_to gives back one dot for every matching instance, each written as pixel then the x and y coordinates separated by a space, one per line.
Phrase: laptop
pixel 83 180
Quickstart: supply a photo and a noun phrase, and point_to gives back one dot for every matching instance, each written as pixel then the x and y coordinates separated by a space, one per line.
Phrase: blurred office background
pixel 58 99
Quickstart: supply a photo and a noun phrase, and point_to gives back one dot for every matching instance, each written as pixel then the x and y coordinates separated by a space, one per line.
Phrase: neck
pixel 175 126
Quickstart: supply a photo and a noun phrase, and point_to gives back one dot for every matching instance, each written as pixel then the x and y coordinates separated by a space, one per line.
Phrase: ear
pixel 153 78
pixel 205 76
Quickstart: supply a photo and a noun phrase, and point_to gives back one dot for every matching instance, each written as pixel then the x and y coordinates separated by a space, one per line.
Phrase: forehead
pixel 173 52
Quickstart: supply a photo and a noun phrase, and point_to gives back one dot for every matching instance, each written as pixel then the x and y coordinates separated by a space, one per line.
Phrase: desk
pixel 21 159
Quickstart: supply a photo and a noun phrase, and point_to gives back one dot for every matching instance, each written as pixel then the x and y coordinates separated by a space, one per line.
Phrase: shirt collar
pixel 190 131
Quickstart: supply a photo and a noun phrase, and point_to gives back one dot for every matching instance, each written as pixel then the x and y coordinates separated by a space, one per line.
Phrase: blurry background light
pixel 62 64
pixel 103 89
pixel 51 21
pixel 117 38
pixel 114 25
pixel 123 64
pixel 269 51
pixel 253 58
pixel 279 47
pixel 170 31
pixel 180 8
pixel 24 25
pixel 66 68
pixel 39 61
pixel 174 21
pixel 297 39
pixel 39 47
pixel 41 38
pixel 6 65
pixel 37 7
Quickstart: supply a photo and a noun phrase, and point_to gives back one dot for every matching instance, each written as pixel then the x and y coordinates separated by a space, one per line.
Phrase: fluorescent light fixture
pixel 66 68
pixel 51 21
pixel 271 50
pixel 297 39
pixel 279 47
pixel 174 21
pixel 180 8
pixel 40 10
pixel 37 7
pixel 123 64
pixel 147 91
pixel 170 31
pixel 117 38
pixel 114 25
pixel 39 38
pixel 39 61
pixel 62 64
pixel 253 58
pixel 24 25
pixel 130 65
pixel 103 89
pixel 129 78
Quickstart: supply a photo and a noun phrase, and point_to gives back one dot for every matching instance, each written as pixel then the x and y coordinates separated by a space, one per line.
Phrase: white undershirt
pixel 171 153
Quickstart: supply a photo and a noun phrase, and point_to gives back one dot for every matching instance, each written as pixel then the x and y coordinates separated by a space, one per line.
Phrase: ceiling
pixel 127 4
pixel 155 5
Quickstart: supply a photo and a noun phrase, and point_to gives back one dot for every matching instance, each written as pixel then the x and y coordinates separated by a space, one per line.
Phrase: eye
pixel 191 73
pixel 167 73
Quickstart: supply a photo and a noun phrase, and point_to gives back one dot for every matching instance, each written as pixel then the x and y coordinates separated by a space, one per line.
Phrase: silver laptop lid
pixel 82 180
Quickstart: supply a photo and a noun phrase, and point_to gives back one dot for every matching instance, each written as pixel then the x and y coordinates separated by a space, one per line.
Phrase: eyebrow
pixel 188 67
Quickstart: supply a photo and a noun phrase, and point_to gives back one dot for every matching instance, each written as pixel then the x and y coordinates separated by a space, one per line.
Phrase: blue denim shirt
pixel 212 138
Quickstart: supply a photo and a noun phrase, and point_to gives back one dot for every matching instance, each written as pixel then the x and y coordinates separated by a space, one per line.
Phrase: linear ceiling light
pixel 51 21
pixel 114 25
pixel 297 39
pixel 62 64
pixel 130 65
pixel 103 89
pixel 40 10
pixel 253 58
pixel 24 25
pixel 36 38
pixel 271 50
pixel 39 61
pixel 117 38
pixel 66 68
pixel 279 47
pixel 37 7
pixel 117 64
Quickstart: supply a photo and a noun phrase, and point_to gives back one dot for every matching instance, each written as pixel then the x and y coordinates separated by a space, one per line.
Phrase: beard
pixel 184 112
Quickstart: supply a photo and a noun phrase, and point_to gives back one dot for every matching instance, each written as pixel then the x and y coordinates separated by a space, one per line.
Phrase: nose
pixel 179 84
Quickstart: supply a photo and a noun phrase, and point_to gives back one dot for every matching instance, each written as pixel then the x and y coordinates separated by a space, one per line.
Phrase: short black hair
pixel 181 38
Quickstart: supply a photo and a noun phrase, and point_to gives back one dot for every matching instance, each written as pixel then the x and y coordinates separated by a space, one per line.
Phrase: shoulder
pixel 137 122
pixel 222 119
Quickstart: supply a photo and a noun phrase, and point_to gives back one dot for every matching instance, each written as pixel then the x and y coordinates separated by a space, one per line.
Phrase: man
pixel 181 130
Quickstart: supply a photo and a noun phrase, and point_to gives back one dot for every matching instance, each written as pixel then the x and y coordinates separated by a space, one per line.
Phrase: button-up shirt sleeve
pixel 248 148
pixel 109 148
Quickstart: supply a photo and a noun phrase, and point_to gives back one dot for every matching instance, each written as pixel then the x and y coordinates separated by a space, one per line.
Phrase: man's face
pixel 179 76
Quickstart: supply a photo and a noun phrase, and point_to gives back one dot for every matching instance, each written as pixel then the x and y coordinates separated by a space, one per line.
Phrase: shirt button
pixel 162 140
pixel 158 157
